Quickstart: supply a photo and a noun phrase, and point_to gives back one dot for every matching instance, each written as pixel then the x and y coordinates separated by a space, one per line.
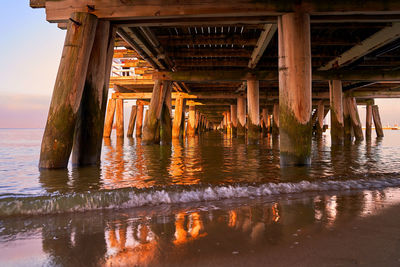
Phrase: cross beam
pixel 243 75
pixel 60 10
pixel 377 40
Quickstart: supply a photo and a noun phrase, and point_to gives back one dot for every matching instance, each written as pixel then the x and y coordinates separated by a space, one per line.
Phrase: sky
pixel 30 51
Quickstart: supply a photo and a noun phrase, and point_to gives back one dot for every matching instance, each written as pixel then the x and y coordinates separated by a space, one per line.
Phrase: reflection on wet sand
pixel 146 238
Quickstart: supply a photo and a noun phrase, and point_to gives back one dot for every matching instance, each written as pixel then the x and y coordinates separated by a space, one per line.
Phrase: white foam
pixel 129 197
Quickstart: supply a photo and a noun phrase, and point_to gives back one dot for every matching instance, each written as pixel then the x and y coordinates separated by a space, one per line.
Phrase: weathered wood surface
pixel 191 123
pixel 119 117
pixel 275 119
pixel 241 114
pixel 368 122
pixel 166 121
pixel 60 10
pixel 320 118
pixel 132 120
pixel 253 109
pixel 109 118
pixel 355 120
pixel 57 139
pixel 295 129
pixel 178 118
pixel 336 108
pixel 234 119
pixel 269 75
pixel 377 121
pixel 347 124
pixel 262 43
pixel 264 121
pixel 152 122
pixel 90 120
pixel 377 40
pixel 139 120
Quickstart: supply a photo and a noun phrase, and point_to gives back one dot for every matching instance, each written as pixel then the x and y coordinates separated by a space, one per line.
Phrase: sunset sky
pixel 30 53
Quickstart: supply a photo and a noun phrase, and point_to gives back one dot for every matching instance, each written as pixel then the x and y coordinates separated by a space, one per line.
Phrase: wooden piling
pixel 241 115
pixel 377 121
pixel 320 118
pixel 355 120
pixel 58 136
pixel 132 120
pixel 336 108
pixel 119 117
pixel 183 125
pixel 88 135
pixel 368 122
pixel 264 121
pixel 234 119
pixel 166 122
pixel 152 123
pixel 294 49
pixel 348 128
pixel 178 118
pixel 109 118
pixel 139 119
pixel 228 123
pixel 253 107
pixel 191 124
pixel 275 119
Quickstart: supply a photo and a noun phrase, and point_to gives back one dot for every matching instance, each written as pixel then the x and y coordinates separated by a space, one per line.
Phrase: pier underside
pixel 244 67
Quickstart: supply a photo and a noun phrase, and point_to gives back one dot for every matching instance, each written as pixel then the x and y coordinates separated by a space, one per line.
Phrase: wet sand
pixel 371 241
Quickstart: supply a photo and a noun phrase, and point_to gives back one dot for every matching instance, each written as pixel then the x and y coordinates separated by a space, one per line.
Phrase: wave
pixel 16 205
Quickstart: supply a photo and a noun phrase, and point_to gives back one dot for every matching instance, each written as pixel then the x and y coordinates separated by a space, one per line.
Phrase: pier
pixel 249 69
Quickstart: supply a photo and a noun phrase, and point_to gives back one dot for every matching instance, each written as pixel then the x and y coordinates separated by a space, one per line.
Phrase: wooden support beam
pixel 132 120
pixel 262 43
pixel 211 52
pixel 355 120
pixel 377 40
pixel 222 39
pixel 264 122
pixel 241 115
pixel 377 121
pixel 368 122
pixel 391 93
pixel 37 3
pixel 243 75
pixel 336 108
pixel 127 37
pixel 191 123
pixel 252 22
pixel 210 62
pixel 60 10
pixel 179 118
pixel 320 118
pixel 119 117
pixel 295 89
pixel 109 118
pixel 234 118
pixel 166 121
pixel 253 108
pixel 152 123
pixel 275 121
pixel 139 120
pixel 348 128
pixel 57 139
pixel 89 127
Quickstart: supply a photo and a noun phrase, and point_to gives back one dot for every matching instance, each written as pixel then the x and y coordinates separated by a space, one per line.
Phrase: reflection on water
pixel 211 158
pixel 173 235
